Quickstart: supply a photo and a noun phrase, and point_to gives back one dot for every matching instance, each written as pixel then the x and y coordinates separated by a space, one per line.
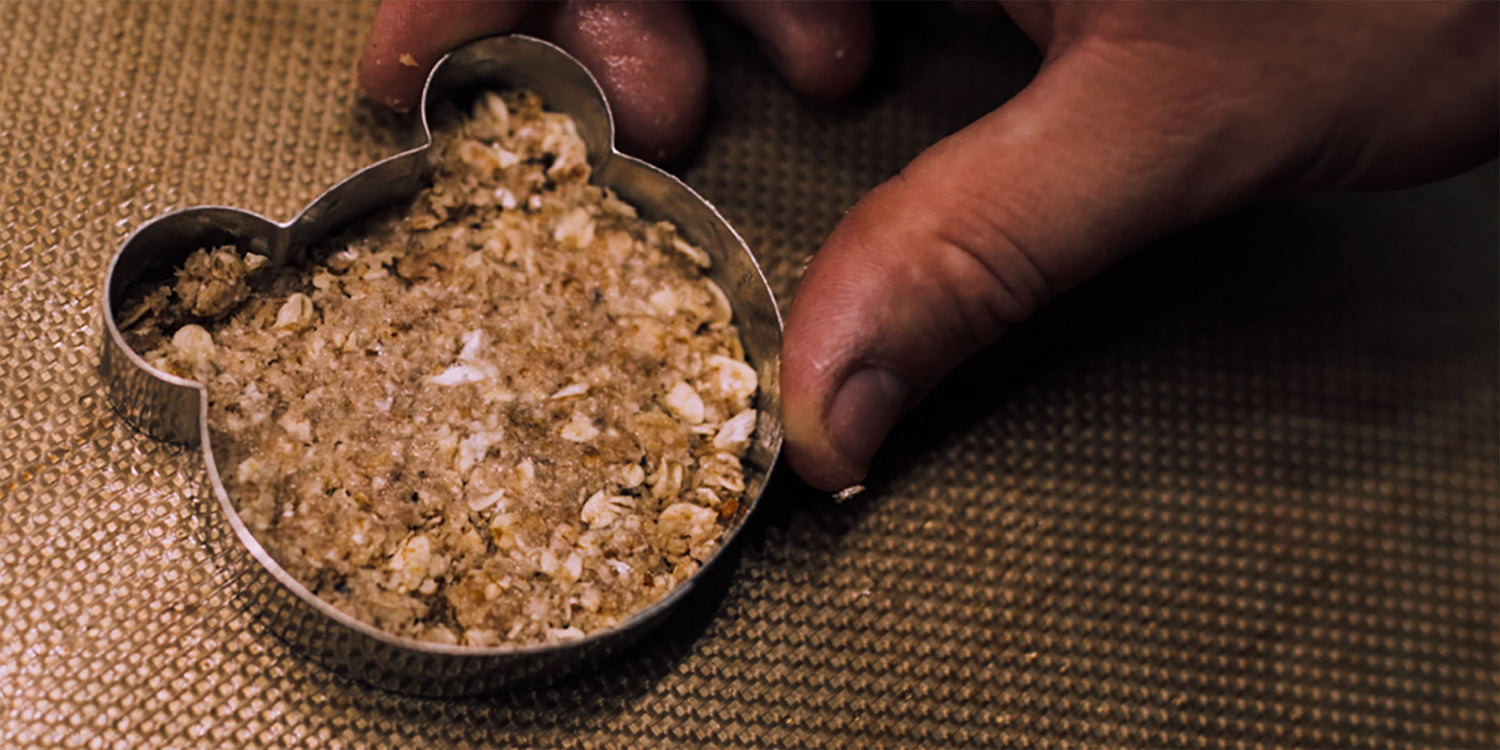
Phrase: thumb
pixel 978 232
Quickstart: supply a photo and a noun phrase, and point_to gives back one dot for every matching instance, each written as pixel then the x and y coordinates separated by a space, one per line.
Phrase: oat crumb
pixel 510 412
pixel 848 492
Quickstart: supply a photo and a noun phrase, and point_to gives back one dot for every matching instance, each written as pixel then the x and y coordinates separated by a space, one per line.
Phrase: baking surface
pixel 1243 489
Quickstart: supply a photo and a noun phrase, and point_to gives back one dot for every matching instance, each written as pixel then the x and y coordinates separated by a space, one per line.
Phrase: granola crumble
pixel 511 413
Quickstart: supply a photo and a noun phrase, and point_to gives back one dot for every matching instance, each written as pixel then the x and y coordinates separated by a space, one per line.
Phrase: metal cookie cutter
pixel 171 408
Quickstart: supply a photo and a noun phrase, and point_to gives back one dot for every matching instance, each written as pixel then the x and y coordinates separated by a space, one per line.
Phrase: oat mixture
pixel 512 412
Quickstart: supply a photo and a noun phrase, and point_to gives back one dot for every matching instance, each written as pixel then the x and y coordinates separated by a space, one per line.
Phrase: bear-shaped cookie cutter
pixel 175 409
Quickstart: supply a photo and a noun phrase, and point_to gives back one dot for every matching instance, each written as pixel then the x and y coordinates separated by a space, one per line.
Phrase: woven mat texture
pixel 1244 490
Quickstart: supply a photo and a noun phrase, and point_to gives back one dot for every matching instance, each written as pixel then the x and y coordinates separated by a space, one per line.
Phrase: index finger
pixel 408 37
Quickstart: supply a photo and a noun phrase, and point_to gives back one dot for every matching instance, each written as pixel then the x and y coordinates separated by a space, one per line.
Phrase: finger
pixel 822 48
pixel 408 37
pixel 974 235
pixel 1034 17
pixel 649 60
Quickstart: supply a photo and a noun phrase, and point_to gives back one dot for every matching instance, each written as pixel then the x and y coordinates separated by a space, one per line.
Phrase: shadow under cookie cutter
pixel 175 409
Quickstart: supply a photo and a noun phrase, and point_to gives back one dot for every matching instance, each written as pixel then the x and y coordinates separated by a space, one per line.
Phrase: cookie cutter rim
pixel 175 409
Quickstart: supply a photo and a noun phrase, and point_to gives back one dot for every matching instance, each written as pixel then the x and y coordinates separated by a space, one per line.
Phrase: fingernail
pixel 865 408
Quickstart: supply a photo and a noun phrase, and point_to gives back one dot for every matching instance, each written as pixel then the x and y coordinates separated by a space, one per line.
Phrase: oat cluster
pixel 512 412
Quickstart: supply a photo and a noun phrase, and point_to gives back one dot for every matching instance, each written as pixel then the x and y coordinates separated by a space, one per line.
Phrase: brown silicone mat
pixel 1242 491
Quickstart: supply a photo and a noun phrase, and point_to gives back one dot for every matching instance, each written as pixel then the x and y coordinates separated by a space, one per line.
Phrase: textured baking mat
pixel 1244 490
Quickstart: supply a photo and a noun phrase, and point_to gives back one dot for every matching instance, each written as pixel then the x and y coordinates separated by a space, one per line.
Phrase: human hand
pixel 1144 118
pixel 646 55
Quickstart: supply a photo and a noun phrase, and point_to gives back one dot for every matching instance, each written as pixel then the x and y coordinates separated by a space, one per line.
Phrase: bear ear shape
pixel 175 409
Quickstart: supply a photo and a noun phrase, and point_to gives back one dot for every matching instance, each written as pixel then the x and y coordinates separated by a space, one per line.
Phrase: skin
pixel 1145 118
pixel 646 55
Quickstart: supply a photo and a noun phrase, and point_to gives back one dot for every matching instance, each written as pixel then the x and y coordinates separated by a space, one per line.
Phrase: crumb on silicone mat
pixel 512 412
pixel 848 493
